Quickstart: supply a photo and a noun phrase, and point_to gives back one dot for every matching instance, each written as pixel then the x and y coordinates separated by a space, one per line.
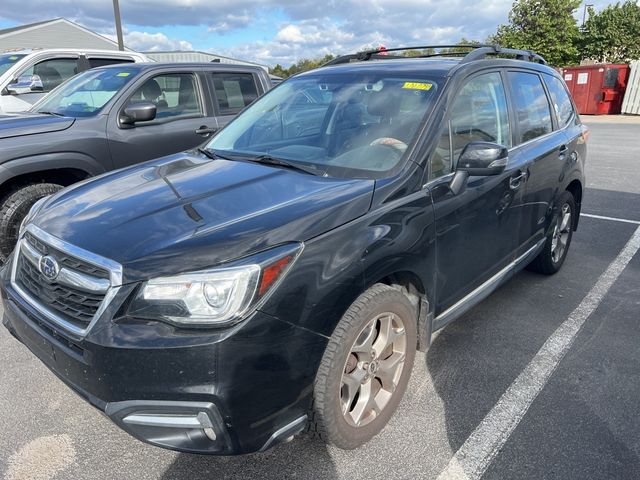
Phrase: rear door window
pixel 533 113
pixel 560 99
pixel 234 91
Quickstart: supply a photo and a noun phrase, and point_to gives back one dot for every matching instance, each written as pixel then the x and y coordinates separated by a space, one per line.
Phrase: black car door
pixel 184 118
pixel 477 228
pixel 544 149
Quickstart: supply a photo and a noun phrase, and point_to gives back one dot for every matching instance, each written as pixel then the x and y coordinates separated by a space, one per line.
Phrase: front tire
pixel 554 253
pixel 365 368
pixel 14 207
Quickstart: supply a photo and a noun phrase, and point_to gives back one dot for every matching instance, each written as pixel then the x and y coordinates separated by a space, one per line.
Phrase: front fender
pixel 50 161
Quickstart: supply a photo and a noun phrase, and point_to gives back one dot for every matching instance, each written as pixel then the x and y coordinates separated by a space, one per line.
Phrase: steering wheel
pixel 398 145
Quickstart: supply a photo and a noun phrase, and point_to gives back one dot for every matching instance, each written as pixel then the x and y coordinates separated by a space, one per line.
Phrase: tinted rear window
pixel 531 104
pixel 560 99
pixel 234 91
pixel 103 62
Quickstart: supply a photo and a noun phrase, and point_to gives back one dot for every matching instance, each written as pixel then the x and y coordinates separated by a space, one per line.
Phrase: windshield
pixel 346 125
pixel 85 94
pixel 7 61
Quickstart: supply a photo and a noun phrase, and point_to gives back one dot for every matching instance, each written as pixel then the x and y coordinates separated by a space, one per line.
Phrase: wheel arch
pixel 61 168
pixel 413 287
pixel 575 188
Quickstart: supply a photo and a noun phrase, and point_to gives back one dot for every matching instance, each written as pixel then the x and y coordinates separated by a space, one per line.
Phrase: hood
pixel 187 212
pixel 16 125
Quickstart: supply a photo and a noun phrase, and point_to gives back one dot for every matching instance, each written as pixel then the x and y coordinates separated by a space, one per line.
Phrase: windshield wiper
pixel 281 162
pixel 265 160
pixel 55 114
pixel 212 155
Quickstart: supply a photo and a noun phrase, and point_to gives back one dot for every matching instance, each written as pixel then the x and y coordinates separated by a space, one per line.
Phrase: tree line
pixel 550 28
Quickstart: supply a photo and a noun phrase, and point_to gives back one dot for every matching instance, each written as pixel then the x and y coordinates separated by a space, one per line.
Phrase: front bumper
pixel 227 392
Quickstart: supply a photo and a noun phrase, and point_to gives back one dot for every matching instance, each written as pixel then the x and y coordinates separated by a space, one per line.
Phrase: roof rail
pixel 526 55
pixel 477 52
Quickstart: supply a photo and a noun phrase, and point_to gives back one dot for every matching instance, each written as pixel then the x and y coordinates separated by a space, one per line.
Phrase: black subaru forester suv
pixel 282 277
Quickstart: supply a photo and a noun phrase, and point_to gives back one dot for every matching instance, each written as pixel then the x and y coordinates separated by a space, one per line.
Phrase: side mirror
pixel 483 158
pixel 138 112
pixel 26 84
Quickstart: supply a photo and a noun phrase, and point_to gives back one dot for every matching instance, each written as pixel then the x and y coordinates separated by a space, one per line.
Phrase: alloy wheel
pixel 373 369
pixel 561 233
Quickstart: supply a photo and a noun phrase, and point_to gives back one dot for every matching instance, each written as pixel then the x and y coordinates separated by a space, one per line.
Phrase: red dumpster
pixel 597 89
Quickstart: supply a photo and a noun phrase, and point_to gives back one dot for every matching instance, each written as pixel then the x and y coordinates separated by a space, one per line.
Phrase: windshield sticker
pixel 13 58
pixel 123 74
pixel 417 85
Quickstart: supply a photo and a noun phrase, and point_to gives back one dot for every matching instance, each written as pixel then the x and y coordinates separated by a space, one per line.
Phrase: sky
pixel 272 32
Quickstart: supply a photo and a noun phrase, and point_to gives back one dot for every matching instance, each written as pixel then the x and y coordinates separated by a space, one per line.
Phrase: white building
pixel 56 33
pixel 62 33
pixel 196 56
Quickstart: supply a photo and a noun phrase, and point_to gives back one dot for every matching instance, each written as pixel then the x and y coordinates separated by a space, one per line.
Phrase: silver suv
pixel 27 75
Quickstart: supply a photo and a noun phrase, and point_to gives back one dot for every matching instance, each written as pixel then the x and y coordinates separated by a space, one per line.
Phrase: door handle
pixel 205 131
pixel 563 152
pixel 517 181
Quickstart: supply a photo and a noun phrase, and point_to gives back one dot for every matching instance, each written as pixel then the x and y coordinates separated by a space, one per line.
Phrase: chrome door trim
pixel 483 291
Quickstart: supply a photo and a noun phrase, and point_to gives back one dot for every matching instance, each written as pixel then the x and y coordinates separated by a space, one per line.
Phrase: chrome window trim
pixel 114 269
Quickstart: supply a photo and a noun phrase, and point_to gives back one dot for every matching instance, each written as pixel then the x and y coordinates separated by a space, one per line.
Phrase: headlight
pixel 218 296
pixel 35 208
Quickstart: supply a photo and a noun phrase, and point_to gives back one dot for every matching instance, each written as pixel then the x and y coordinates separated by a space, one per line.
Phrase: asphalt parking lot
pixel 488 399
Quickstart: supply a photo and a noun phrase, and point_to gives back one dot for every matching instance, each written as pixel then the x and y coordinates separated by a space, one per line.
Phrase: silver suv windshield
pixel 7 61
pixel 353 125
pixel 85 94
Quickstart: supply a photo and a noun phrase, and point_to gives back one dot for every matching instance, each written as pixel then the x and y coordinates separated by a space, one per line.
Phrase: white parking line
pixel 478 451
pixel 613 219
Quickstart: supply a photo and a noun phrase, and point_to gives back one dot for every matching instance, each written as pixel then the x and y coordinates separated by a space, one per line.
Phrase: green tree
pixel 462 41
pixel 612 35
pixel 417 53
pixel 300 66
pixel 547 27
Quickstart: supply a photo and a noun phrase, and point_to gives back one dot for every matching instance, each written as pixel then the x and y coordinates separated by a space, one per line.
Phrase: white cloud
pixel 154 42
pixel 290 33
pixel 231 22
pixel 312 28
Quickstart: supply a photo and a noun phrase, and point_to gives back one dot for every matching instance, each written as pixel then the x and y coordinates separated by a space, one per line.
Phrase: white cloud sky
pixel 154 42
pixel 271 31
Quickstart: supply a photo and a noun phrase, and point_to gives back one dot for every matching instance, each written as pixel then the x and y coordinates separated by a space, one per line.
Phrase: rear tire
pixel 14 207
pixel 365 368
pixel 554 252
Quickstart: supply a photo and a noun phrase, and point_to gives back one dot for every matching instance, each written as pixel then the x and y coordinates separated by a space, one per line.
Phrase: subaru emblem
pixel 49 268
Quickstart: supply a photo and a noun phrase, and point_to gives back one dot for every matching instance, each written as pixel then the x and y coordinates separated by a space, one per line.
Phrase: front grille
pixel 65 260
pixel 74 305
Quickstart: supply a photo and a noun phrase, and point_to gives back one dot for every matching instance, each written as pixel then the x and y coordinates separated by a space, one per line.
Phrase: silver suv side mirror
pixel 26 84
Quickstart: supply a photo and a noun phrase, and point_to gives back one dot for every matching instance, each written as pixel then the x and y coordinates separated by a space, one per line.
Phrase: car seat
pixel 152 92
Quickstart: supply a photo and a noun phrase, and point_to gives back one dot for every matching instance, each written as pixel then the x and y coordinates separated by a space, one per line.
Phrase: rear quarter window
pixel 560 100
pixel 533 113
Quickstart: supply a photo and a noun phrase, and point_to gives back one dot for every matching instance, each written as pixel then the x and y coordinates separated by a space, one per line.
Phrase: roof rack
pixel 477 52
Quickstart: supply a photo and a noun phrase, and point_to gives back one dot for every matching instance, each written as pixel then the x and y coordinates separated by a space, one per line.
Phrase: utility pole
pixel 116 14
pixel 584 13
